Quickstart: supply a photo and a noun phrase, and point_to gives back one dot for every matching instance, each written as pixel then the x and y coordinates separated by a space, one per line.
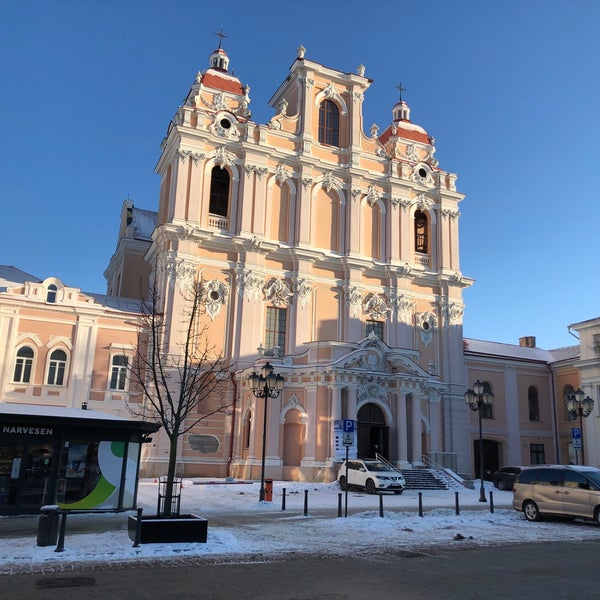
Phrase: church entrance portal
pixel 373 433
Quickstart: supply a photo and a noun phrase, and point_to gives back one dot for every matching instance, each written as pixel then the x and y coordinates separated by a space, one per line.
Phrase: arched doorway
pixel 491 460
pixel 373 433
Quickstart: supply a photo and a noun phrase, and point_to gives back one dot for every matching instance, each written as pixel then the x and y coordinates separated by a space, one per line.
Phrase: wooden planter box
pixel 157 530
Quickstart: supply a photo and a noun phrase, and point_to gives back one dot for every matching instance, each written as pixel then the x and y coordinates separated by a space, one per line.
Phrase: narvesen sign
pixel 20 430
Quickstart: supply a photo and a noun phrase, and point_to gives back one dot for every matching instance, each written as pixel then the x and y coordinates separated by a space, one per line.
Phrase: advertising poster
pixel 76 461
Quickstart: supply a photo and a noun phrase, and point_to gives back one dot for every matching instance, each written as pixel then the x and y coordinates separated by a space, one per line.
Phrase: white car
pixel 372 476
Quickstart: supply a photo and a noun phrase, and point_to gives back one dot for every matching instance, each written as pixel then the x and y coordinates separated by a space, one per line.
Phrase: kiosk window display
pixel 78 459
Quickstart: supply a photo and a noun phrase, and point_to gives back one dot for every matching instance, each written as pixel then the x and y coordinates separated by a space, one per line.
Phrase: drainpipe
pixel 230 457
pixel 554 414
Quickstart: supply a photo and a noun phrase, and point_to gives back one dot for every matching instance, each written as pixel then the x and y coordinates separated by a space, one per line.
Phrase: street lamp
pixel 582 406
pixel 266 385
pixel 477 398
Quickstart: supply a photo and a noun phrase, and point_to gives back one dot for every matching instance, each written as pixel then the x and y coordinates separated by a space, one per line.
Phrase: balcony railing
pixel 217 222
pixel 423 259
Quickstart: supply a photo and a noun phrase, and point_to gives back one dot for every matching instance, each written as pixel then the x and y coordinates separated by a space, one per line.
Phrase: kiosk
pixel 77 459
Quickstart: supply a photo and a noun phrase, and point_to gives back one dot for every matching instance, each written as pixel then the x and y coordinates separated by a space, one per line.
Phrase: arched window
pixel 568 390
pixel 487 410
pixel 534 408
pixel 23 365
pixel 421 239
pixel 293 436
pixel 219 192
pixel 329 123
pixel 51 293
pixel 247 429
pixel 57 368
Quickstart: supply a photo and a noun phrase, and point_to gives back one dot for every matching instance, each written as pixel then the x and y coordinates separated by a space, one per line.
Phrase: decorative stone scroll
pixel 213 295
pixel 354 296
pixel 303 290
pixel 277 292
pixel 250 284
pixel 426 324
pixel 454 313
pixel 182 272
pixel 376 307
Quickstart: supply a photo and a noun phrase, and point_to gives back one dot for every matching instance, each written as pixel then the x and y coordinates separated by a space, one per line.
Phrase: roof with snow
pixel 11 275
pixel 514 351
pixel 143 223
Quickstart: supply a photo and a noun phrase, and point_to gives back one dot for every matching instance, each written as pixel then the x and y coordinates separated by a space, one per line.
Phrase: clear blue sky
pixel 510 90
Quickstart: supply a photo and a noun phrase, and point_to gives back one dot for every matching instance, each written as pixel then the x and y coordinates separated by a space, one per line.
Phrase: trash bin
pixel 268 490
pixel 47 531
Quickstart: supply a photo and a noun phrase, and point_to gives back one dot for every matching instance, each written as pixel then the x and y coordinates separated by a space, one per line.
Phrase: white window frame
pixel 49 365
pixel 23 365
pixel 121 370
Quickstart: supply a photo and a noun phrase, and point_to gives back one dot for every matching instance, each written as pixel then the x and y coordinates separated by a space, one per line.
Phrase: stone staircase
pixel 418 478
pixel 422 479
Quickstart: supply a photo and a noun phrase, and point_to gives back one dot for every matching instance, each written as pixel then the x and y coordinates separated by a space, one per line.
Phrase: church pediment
pixel 375 356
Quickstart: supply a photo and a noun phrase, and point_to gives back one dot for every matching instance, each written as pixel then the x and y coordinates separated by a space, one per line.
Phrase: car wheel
pixel 342 483
pixel 531 511
pixel 370 486
pixel 597 516
pixel 501 485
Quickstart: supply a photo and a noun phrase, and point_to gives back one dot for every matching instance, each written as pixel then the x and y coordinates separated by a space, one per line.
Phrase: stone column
pixel 416 449
pixel 402 431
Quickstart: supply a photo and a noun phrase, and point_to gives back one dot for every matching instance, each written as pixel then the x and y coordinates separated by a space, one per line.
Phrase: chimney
pixel 527 341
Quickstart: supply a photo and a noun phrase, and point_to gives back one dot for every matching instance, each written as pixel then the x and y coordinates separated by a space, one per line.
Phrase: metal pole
pixel 581 429
pixel 380 505
pixel 456 505
pixel 283 500
pixel 346 490
pixel 420 504
pixel 60 547
pixel 339 504
pixel 482 497
pixel 261 494
pixel 306 503
pixel 138 528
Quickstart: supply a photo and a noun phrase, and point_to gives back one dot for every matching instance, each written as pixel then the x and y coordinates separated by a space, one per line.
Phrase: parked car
pixel 504 477
pixel 557 490
pixel 371 475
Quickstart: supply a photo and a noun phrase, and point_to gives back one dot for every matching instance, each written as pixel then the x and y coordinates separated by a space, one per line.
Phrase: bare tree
pixel 185 383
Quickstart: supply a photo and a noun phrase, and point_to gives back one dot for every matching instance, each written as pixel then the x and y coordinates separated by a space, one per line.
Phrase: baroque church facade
pixel 331 253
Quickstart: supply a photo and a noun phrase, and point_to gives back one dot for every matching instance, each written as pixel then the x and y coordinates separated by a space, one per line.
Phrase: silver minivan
pixel 558 490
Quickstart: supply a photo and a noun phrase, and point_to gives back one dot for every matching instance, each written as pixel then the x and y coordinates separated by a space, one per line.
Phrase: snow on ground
pixel 241 527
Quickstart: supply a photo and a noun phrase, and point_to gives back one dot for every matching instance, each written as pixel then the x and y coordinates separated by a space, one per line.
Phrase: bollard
pixel 420 504
pixel 456 507
pixel 380 505
pixel 60 547
pixel 306 503
pixel 339 504
pixel 138 528
pixel 283 500
pixel 491 501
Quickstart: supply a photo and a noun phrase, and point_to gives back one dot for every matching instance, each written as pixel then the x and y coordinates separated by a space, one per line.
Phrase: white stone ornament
pixel 304 288
pixel 277 292
pixel 426 323
pixel 376 307
pixel 354 298
pixel 250 284
pixel 213 295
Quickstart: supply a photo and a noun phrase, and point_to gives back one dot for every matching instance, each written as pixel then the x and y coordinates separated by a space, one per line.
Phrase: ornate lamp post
pixel 582 406
pixel 266 385
pixel 477 398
